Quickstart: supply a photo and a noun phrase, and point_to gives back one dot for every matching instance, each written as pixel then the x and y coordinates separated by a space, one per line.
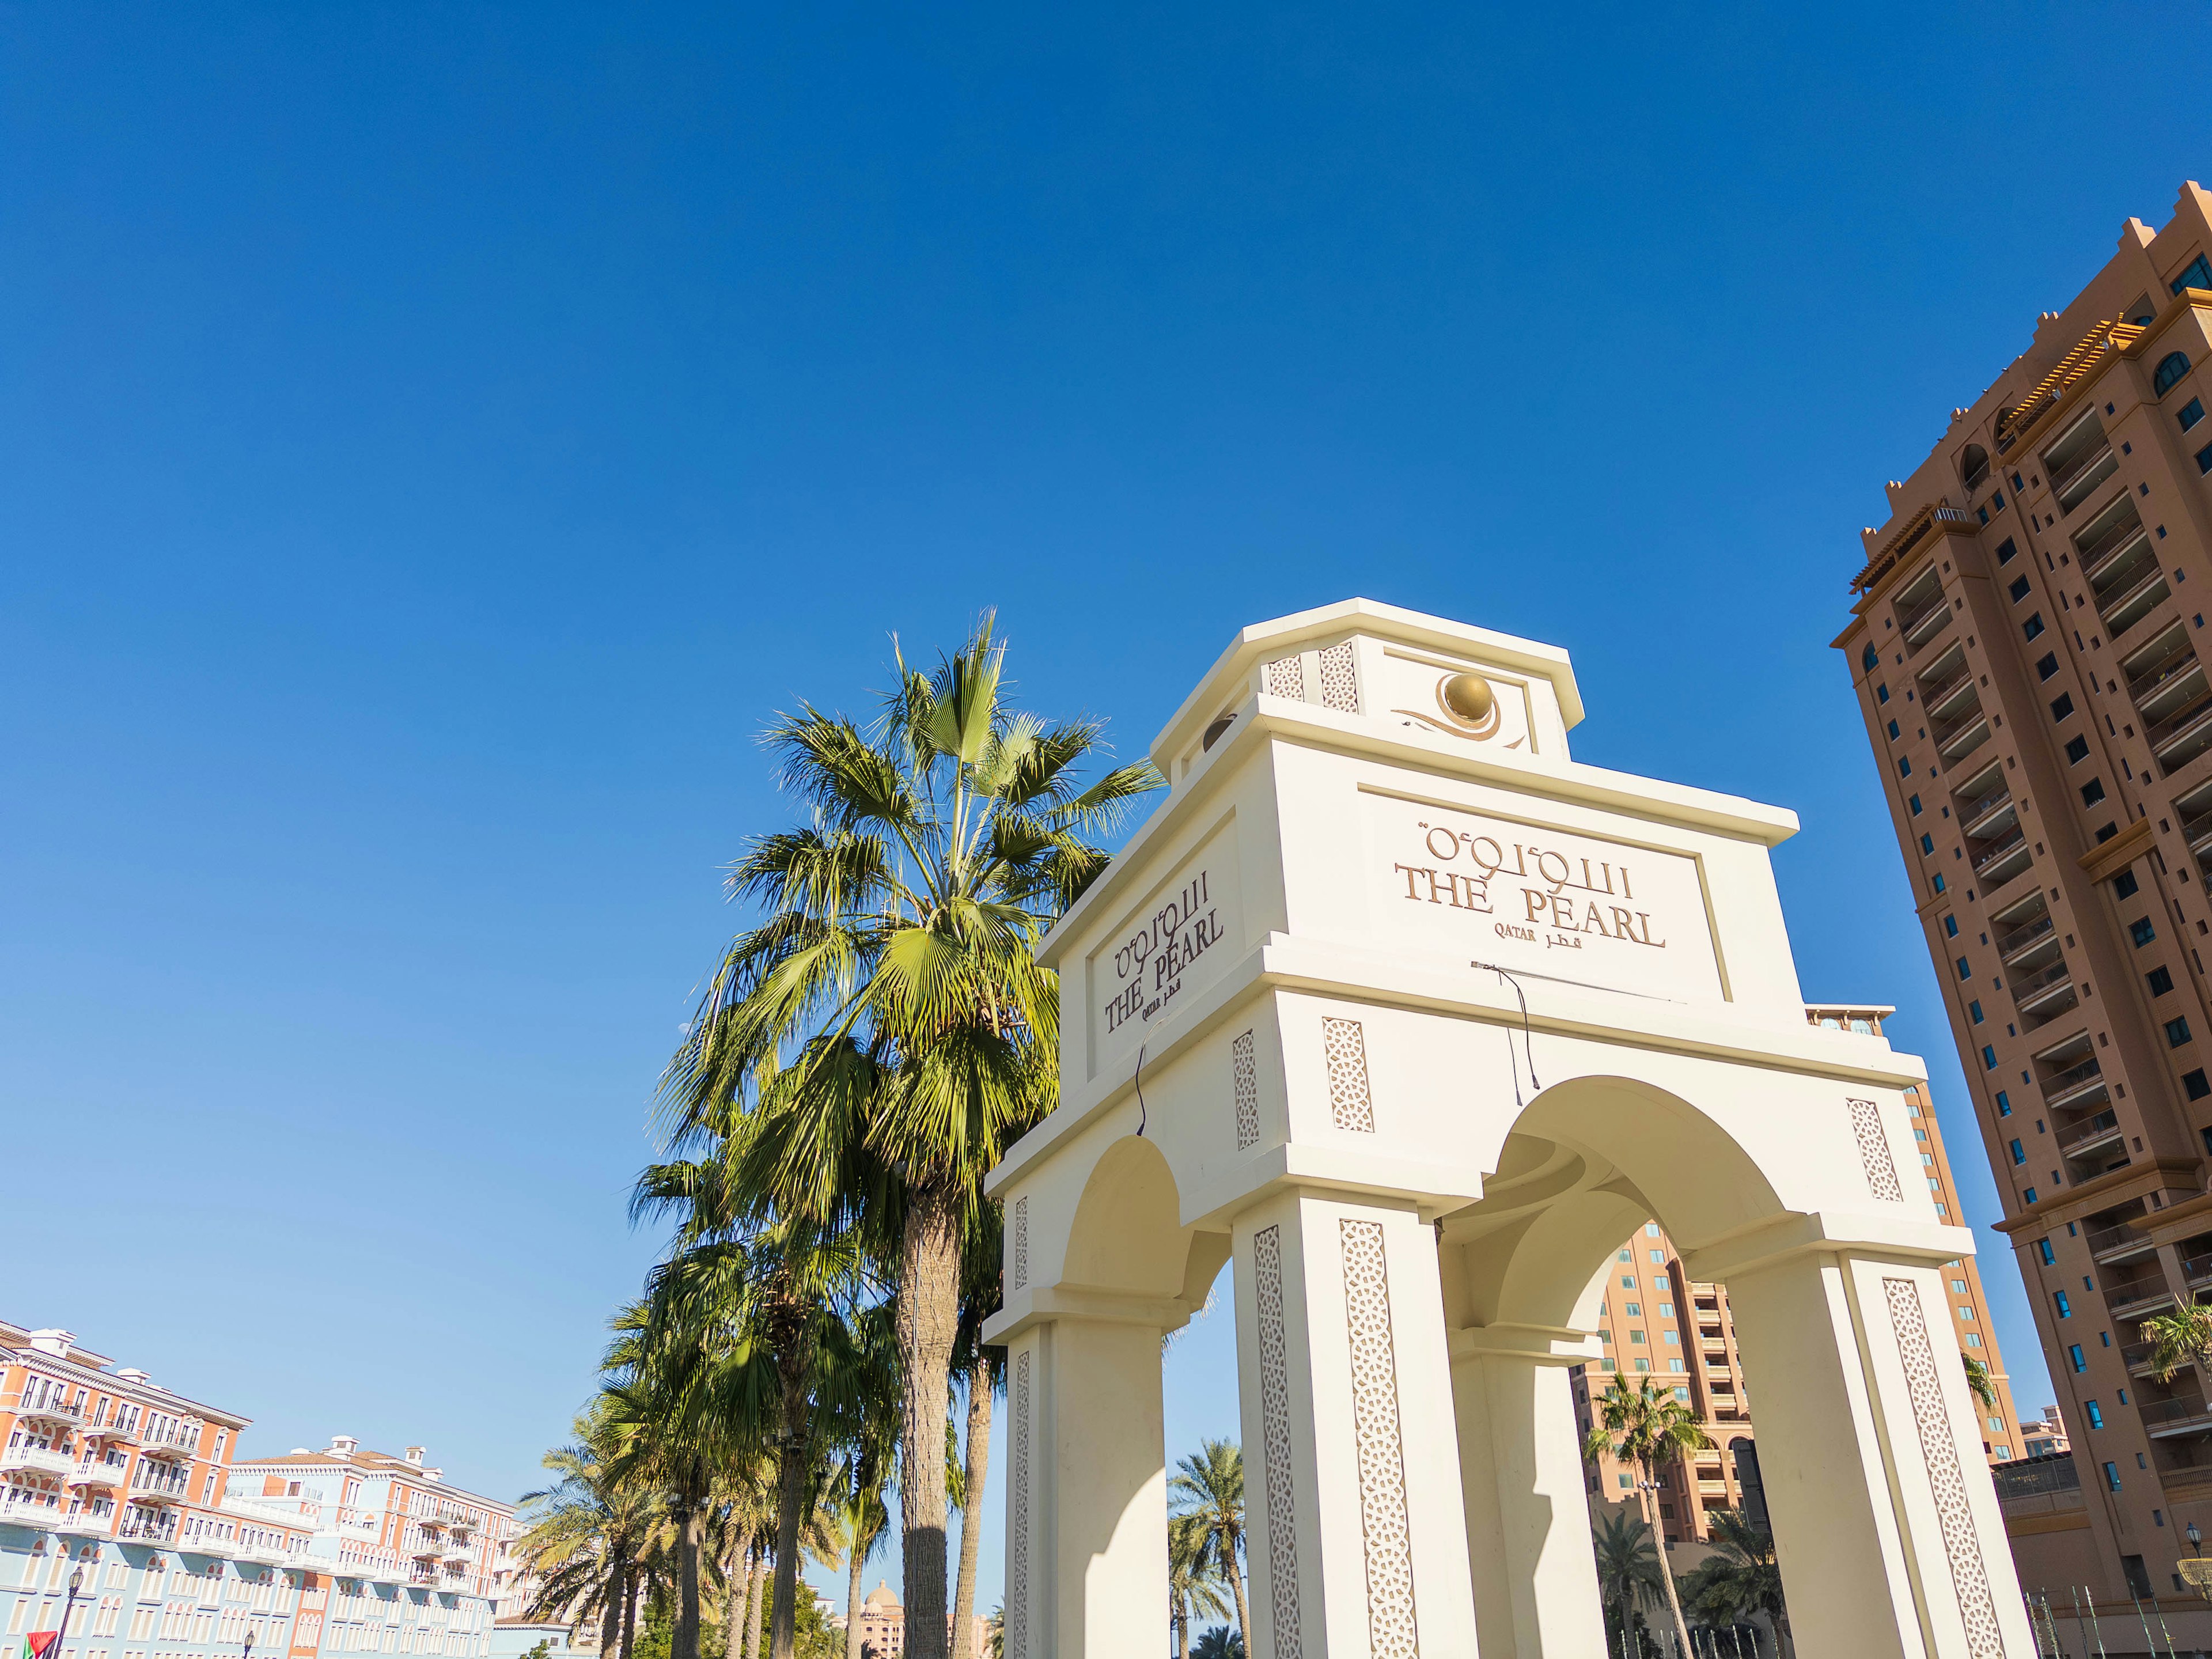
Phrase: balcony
pixel 1988 815
pixel 116 1434
pixel 2077 1138
pixel 2074 1085
pixel 2082 474
pixel 144 1526
pixel 204 1544
pixel 2025 938
pixel 1924 624
pixel 55 1410
pixel 2118 1243
pixel 2167 1418
pixel 149 1487
pixel 2145 1295
pixel 2184 734
pixel 2039 991
pixel 1956 740
pixel 90 1522
pixel 2003 859
pixel 2102 544
pixel 1943 698
pixel 2143 595
pixel 36 1460
pixel 32 1506
pixel 2196 1270
pixel 174 1440
pixel 2157 673
pixel 99 1473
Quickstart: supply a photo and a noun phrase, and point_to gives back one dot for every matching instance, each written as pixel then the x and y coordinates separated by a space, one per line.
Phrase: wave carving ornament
pixel 1275 1419
pixel 1939 1446
pixel 1392 1630
pixel 1245 1071
pixel 1874 1152
pixel 1350 1104
pixel 1018 1546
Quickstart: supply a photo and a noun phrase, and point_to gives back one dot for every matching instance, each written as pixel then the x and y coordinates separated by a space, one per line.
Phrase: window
pixel 2191 412
pixel 1869 658
pixel 1965 970
pixel 2096 1414
pixel 2076 1357
pixel 2019 1155
pixel 2019 589
pixel 1989 1058
pixel 2177 1032
pixel 1973 465
pixel 1671 1338
pixel 1927 844
pixel 2125 884
pixel 2160 980
pixel 1936 884
pixel 1974 1011
pixel 1905 765
pixel 2093 791
pixel 1881 693
pixel 2005 549
pixel 2065 1308
pixel 1915 804
pixel 2061 706
pixel 1893 730
pixel 2195 1085
pixel 2077 750
pixel 1950 927
pixel 2043 1252
pixel 2112 1476
pixel 2032 626
pixel 2047 665
pixel 2004 1105
pixel 2171 368
pixel 1643 1365
pixel 1659 1258
pixel 1633 1310
pixel 2141 930
pixel 2199 275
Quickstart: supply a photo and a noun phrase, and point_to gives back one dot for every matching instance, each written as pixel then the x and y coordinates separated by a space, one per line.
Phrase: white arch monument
pixel 1277 1045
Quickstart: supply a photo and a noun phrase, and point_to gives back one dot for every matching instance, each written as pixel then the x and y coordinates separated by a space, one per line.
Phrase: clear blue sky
pixel 433 439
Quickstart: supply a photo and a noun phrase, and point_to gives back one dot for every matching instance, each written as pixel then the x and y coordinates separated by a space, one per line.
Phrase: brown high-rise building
pixel 2025 641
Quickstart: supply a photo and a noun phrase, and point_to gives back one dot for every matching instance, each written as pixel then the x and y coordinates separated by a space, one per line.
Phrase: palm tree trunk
pixel 855 1571
pixel 982 1382
pixel 755 1604
pixel 611 1615
pixel 631 1591
pixel 733 1607
pixel 793 1459
pixel 1666 1572
pixel 683 1641
pixel 928 1314
pixel 1236 1578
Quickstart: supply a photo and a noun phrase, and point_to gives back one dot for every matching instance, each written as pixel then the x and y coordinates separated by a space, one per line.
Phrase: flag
pixel 39 1644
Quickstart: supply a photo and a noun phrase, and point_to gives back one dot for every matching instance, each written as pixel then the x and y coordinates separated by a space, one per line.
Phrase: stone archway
pixel 1304 1019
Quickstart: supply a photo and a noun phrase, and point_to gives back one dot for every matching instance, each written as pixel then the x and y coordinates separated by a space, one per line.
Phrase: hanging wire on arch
pixel 1527 1038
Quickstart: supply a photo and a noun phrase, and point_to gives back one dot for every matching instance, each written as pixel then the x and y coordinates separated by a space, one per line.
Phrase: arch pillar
pixel 1528 1515
pixel 1086 1486
pixel 1358 1538
pixel 1873 1471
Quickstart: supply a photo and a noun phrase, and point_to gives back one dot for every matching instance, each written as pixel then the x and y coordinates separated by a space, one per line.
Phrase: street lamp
pixel 75 1584
pixel 2196 1542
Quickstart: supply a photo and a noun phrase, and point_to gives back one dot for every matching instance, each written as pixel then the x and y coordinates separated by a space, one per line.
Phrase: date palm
pixel 1208 1488
pixel 868 1050
pixel 1194 1586
pixel 1646 1428
pixel 2183 1337
pixel 1628 1569
pixel 1978 1381
pixel 1741 1577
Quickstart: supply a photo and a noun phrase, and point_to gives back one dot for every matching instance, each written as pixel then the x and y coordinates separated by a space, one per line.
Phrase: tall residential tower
pixel 2025 641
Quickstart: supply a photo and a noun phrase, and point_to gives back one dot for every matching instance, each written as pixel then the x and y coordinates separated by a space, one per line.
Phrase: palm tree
pixel 1979 1383
pixel 874 1045
pixel 1646 1427
pixel 1741 1579
pixel 1193 1585
pixel 589 1539
pixel 2183 1337
pixel 1628 1571
pixel 1219 1643
pixel 1209 1488
pixel 983 1369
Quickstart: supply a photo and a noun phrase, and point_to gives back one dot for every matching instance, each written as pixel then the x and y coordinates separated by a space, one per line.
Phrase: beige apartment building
pixel 2025 643
pixel 1654 1320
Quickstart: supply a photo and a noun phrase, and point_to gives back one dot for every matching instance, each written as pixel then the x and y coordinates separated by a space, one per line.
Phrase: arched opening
pixel 2171 368
pixel 1974 465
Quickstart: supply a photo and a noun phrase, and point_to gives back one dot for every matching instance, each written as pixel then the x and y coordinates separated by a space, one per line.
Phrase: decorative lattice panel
pixel 1021 1243
pixel 1018 1546
pixel 1245 1074
pixel 1385 1529
pixel 1350 1104
pixel 1874 1152
pixel 1287 678
pixel 1282 1518
pixel 1939 1449
pixel 1339 687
